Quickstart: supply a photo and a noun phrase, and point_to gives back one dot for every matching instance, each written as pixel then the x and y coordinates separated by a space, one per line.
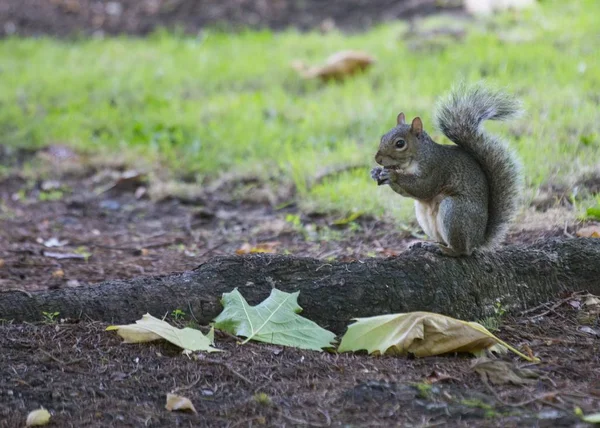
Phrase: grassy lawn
pixel 220 102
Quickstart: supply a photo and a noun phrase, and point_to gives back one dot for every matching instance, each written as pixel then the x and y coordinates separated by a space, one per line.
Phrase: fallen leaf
pixel 589 330
pixel 127 181
pixel 575 304
pixel 2 263
pixel 140 192
pixel 177 402
pixel 592 231
pixel 264 247
pixel 501 372
pixel 53 242
pixel 38 417
pixel 590 301
pixel 594 418
pixel 58 273
pixel 437 376
pixel 337 66
pixel 48 185
pixel 346 220
pixel 61 256
pixel 419 333
pixel 274 320
pixel 149 328
pixel 211 336
pixel 388 252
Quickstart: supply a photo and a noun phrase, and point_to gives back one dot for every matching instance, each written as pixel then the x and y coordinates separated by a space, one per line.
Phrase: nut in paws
pixel 384 177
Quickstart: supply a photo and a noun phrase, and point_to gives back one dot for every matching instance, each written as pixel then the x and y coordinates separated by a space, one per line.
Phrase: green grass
pixel 200 106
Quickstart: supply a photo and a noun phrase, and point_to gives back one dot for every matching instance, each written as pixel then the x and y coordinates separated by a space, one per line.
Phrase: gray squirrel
pixel 465 194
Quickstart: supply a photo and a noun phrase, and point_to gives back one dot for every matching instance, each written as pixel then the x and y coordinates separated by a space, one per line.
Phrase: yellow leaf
pixel 177 402
pixel 592 419
pixel 265 247
pixel 419 333
pixel 337 66
pixel 149 329
pixel 38 417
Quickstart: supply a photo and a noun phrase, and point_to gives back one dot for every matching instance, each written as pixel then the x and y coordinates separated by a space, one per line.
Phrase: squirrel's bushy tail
pixel 459 117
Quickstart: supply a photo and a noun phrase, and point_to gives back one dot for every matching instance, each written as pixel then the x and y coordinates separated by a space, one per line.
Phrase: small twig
pixel 519 404
pixel 27 293
pixel 229 335
pixel 185 388
pixel 553 307
pixel 228 367
pixel 59 361
pixel 211 249
pixel 302 422
pixel 565 232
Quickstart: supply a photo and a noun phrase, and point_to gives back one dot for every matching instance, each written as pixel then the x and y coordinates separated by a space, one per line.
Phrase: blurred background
pixel 184 118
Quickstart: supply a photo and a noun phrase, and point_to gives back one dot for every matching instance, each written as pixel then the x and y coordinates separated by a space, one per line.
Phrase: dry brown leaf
pixel 592 231
pixel 437 376
pixel 501 372
pixel 419 333
pixel 264 247
pixel 58 273
pixel 177 402
pixel 337 66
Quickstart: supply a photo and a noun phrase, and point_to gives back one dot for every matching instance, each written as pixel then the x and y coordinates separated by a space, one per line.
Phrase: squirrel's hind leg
pixel 461 225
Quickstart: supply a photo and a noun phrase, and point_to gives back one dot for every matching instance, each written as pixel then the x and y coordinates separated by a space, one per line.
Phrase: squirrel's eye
pixel 400 144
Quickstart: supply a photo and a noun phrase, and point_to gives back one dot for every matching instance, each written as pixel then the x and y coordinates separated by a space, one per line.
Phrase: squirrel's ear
pixel 416 126
pixel 401 119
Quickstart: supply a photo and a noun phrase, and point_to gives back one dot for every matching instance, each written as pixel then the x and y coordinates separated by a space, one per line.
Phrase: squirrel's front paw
pixel 375 173
pixel 381 175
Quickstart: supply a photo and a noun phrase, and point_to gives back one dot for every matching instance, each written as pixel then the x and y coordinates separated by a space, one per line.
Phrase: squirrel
pixel 465 194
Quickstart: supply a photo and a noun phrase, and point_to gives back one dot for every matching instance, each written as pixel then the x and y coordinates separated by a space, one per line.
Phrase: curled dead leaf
pixel 592 231
pixel 177 402
pixel 338 66
pixel 37 418
pixel 502 372
pixel 420 334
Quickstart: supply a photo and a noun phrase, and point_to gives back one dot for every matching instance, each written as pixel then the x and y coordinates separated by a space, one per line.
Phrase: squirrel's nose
pixel 378 158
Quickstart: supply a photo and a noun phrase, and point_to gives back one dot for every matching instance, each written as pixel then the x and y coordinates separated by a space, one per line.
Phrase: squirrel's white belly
pixel 427 217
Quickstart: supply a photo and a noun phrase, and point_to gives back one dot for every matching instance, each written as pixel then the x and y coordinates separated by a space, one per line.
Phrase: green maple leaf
pixel 274 320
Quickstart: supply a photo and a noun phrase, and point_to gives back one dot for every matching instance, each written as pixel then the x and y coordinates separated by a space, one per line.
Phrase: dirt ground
pixel 85 377
pixel 139 17
pixel 69 221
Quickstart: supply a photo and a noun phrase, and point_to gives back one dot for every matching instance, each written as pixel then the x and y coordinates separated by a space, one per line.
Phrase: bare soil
pixel 85 376
pixel 55 203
